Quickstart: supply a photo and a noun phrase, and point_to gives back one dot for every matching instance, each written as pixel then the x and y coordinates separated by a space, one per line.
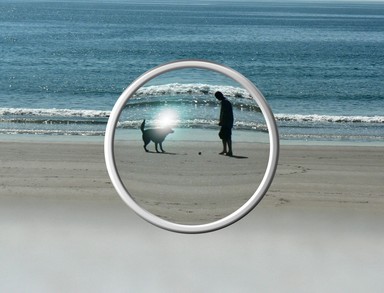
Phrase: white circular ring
pixel 273 153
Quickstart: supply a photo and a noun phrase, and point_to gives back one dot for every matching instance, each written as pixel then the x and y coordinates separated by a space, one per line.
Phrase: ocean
pixel 319 65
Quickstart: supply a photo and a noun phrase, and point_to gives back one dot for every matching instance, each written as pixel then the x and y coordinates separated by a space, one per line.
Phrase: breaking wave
pixel 54 112
pixel 192 89
pixel 329 118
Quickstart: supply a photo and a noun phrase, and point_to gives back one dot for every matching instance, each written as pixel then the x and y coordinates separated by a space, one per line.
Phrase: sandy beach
pixel 64 228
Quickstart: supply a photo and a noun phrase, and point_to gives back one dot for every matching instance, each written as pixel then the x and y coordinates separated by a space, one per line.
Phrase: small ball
pixel 199 153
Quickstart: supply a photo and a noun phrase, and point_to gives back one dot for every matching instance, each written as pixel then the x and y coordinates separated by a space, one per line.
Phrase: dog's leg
pixel 145 146
pixel 161 147
pixel 156 147
pixel 146 141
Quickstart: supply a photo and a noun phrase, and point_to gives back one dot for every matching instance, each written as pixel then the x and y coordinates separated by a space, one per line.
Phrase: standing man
pixel 226 123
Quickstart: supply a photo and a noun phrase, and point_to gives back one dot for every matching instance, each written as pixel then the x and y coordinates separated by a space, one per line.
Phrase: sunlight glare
pixel 167 118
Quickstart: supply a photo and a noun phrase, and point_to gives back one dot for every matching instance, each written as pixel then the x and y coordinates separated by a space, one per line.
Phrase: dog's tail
pixel 142 126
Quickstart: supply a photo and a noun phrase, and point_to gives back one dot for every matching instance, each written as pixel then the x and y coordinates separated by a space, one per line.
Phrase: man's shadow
pixel 235 156
pixel 238 157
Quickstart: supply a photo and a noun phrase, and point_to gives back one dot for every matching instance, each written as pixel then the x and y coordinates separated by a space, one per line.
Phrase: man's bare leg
pixel 224 148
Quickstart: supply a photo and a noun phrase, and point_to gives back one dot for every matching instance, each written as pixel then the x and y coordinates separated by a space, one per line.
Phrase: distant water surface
pixel 319 65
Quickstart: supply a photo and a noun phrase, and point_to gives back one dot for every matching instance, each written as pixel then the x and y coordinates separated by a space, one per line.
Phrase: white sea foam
pixel 52 132
pixel 54 112
pixel 329 118
pixel 192 89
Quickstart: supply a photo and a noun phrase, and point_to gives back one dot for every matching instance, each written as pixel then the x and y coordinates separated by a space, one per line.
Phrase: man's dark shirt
pixel 226 114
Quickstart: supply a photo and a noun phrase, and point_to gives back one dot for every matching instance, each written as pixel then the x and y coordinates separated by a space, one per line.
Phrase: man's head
pixel 219 96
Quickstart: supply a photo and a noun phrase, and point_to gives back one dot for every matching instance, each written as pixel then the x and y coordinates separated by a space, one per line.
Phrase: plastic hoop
pixel 272 160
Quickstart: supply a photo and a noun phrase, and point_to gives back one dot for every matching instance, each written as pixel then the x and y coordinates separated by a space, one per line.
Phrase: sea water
pixel 319 65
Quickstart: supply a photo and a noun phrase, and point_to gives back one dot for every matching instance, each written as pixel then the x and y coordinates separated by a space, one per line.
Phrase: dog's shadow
pixel 163 153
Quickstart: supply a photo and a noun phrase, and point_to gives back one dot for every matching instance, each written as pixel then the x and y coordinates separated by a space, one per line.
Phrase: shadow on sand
pixel 238 157
pixel 184 154
pixel 235 156
pixel 163 153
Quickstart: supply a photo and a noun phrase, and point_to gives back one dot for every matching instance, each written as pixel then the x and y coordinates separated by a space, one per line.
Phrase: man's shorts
pixel 225 133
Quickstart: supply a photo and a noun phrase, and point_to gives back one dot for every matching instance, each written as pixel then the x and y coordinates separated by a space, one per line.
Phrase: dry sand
pixel 64 228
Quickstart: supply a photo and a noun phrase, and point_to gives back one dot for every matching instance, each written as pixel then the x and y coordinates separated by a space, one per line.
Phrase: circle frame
pixel 246 207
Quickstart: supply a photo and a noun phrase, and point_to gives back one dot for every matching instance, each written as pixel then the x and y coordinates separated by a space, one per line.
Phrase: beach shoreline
pixel 182 134
pixel 343 173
